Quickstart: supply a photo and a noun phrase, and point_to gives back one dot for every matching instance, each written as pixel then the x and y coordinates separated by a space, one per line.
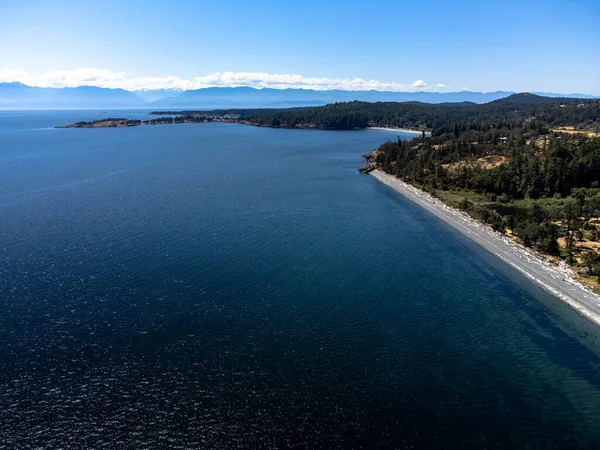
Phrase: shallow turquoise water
pixel 224 286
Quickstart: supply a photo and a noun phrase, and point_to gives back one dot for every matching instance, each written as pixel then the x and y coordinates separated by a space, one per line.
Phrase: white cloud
pixel 419 84
pixel 294 81
pixel 115 79
pixel 83 77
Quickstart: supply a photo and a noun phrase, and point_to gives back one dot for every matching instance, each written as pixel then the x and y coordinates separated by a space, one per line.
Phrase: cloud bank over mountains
pixel 113 79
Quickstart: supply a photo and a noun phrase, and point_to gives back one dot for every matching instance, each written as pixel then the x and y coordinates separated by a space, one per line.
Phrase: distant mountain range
pixel 282 98
pixel 152 95
pixel 21 96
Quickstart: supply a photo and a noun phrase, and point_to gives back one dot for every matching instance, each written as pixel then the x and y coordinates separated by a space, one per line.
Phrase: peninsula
pixel 570 115
pixel 122 122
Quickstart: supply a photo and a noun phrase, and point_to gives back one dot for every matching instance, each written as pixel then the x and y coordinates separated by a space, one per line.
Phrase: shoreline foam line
pixel 556 280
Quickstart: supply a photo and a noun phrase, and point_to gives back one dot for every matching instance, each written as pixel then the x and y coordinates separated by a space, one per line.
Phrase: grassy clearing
pixel 573 130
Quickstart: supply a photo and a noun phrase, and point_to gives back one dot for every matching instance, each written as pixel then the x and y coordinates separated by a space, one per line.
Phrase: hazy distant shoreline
pixel 556 280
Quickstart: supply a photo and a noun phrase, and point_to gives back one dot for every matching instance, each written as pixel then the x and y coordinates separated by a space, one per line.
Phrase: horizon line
pixel 299 88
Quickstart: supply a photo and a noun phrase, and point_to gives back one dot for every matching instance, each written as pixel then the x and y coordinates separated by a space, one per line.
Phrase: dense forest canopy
pixel 521 164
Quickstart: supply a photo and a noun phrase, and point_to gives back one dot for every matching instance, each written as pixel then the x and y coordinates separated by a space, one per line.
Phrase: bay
pixel 225 286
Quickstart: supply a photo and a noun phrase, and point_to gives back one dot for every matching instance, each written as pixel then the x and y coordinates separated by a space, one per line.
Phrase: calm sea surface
pixel 224 286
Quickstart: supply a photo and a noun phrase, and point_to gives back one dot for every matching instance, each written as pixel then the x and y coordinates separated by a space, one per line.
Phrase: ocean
pixel 222 286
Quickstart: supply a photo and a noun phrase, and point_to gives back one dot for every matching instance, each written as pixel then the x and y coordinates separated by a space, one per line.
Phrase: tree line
pixel 518 110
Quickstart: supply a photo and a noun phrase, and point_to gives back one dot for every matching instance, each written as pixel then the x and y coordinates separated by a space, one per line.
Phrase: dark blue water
pixel 223 286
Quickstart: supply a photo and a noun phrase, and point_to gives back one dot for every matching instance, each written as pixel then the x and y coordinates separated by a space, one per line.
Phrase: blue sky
pixel 387 45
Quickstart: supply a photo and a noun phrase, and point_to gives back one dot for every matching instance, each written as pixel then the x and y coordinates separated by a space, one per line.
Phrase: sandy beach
pixel 395 130
pixel 558 280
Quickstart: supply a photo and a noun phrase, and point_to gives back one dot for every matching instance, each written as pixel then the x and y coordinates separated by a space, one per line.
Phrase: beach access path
pixel 540 270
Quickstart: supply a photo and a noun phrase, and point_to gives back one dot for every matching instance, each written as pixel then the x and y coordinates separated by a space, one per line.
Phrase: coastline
pixel 556 280
pixel 125 123
pixel 402 130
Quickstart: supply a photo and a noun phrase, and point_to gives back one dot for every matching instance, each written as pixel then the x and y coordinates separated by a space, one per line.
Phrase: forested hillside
pixel 537 113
